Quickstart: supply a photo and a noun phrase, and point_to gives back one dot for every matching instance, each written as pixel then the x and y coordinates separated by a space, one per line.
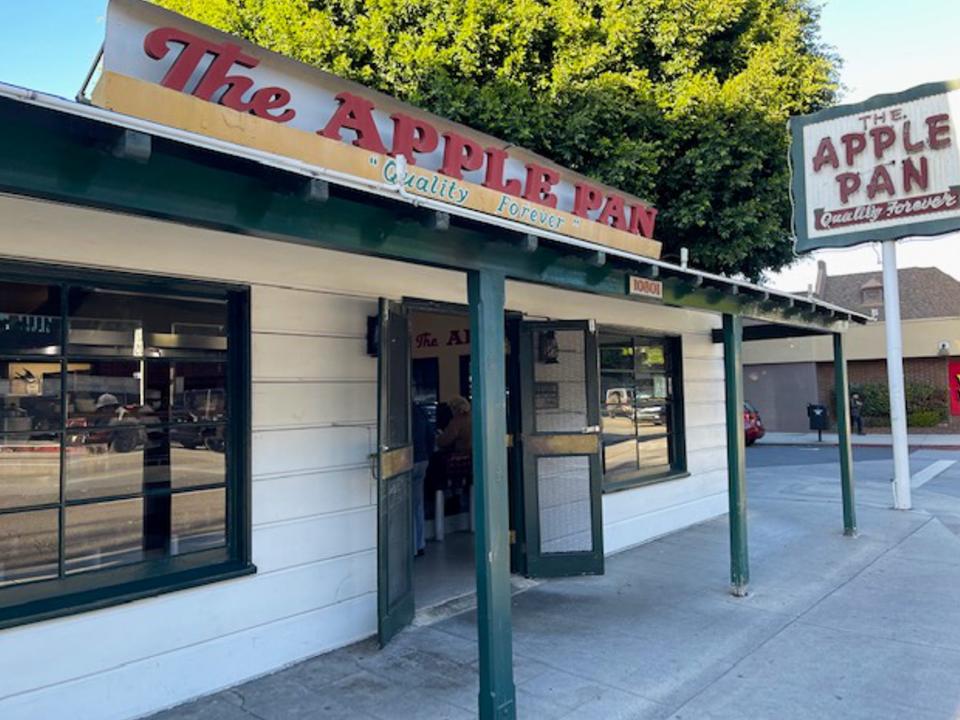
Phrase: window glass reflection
pixel 651 354
pixel 637 407
pixel 30 319
pixel 103 393
pixel 198 455
pixel 130 459
pixel 105 462
pixel 199 521
pixel 655 454
pixel 28 546
pixel 112 447
pixel 132 325
pixel 104 534
pixel 29 471
pixel 29 396
pixel 110 392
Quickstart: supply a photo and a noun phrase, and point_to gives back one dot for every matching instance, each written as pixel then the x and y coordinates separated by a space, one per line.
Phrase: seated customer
pixel 457 436
pixel 454 445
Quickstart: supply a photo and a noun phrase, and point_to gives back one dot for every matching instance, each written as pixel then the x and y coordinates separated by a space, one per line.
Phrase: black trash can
pixel 819 419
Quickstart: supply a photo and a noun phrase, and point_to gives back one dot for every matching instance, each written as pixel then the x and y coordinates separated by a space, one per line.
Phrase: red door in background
pixel 954 370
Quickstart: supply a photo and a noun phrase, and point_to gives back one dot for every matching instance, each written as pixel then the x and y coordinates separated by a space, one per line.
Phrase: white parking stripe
pixel 931 471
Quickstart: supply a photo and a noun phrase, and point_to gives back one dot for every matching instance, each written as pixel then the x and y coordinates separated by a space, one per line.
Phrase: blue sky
pixel 49 45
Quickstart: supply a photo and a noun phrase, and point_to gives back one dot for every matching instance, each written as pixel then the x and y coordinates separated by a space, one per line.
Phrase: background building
pixel 782 376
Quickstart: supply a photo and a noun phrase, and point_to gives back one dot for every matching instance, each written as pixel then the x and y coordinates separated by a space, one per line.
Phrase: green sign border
pixel 804 243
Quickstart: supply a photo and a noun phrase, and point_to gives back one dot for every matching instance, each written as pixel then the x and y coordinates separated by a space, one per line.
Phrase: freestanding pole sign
pixel 880 170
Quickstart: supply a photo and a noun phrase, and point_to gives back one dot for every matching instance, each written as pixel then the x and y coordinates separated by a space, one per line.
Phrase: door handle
pixel 591 429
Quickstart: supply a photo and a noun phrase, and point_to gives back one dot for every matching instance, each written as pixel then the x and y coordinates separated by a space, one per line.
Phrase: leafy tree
pixel 681 102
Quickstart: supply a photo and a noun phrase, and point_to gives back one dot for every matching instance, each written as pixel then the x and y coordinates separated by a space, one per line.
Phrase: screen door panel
pixel 563 488
pixel 394 463
pixel 561 448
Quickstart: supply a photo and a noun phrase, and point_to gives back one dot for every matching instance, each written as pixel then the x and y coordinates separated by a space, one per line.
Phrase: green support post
pixel 485 291
pixel 736 453
pixel 842 388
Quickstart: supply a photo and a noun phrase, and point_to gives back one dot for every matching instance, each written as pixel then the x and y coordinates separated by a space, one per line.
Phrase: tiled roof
pixel 924 292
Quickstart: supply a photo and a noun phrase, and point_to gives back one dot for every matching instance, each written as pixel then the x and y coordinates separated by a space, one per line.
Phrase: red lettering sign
pixel 262 102
pixel 355 113
pixel 225 83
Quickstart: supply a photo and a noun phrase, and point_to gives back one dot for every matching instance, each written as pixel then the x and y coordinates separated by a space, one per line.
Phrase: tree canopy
pixel 681 102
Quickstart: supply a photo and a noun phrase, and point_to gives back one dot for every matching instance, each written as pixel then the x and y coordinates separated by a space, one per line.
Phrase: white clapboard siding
pixel 699 390
pixel 300 312
pixel 648 526
pixel 698 413
pixel 281 452
pixel 159 681
pixel 696 347
pixel 626 504
pixel 318 492
pixel 308 357
pixel 193 616
pixel 707 436
pixel 704 369
pixel 297 542
pixel 708 459
pixel 281 404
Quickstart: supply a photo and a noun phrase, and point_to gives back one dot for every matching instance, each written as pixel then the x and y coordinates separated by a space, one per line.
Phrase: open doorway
pixel 443 490
pixel 424 458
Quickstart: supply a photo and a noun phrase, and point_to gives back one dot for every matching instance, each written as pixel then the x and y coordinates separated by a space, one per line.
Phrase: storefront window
pixel 641 408
pixel 118 466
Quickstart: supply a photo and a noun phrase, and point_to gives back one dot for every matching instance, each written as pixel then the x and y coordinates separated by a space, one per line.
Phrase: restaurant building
pixel 227 281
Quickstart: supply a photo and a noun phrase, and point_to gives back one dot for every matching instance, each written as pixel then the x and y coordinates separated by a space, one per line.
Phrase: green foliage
pixel 926 404
pixel 925 418
pixel 876 400
pixel 681 102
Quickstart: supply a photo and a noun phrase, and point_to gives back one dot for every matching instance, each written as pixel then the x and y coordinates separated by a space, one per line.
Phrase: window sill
pixel 641 482
pixel 64 605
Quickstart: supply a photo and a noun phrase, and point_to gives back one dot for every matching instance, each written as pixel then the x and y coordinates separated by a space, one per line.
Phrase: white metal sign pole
pixel 898 402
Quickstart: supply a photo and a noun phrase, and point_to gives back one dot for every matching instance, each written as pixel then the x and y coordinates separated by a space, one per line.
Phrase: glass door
pixel 561 448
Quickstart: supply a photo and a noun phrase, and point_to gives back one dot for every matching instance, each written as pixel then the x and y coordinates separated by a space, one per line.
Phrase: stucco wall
pixel 921 338
pixel 781 394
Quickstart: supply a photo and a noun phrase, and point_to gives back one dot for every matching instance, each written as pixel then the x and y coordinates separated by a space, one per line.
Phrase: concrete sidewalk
pixel 879 440
pixel 834 627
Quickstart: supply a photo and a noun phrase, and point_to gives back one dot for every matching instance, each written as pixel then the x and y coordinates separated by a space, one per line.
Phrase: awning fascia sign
pixel 645 287
pixel 162 67
pixel 883 169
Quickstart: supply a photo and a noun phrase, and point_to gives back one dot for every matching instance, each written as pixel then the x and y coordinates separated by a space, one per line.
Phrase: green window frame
pixel 641 408
pixel 153 494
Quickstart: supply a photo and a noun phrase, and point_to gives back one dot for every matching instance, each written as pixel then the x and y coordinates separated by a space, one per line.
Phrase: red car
pixel 752 424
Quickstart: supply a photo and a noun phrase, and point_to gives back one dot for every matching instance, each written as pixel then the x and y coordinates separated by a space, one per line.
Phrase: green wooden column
pixel 736 453
pixel 485 290
pixel 842 389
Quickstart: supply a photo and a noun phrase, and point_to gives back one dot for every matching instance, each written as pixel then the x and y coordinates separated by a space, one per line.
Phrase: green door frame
pixel 555 444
